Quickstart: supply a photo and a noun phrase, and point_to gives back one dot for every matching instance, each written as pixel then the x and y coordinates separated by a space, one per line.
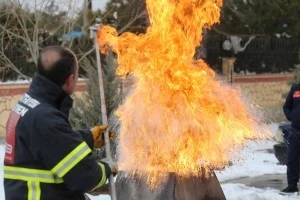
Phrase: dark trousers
pixel 293 150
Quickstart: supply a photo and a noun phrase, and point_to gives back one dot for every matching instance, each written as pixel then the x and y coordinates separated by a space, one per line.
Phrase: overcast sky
pixel 97 4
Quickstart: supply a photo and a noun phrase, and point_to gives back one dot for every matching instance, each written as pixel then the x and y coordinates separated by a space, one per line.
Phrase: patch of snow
pixel 286 35
pixel 100 197
pixel 15 82
pixel 115 15
pixel 246 73
pixel 254 161
pixel 273 128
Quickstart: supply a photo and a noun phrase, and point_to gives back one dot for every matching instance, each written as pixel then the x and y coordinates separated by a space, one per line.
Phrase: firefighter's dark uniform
pixel 45 159
pixel 291 110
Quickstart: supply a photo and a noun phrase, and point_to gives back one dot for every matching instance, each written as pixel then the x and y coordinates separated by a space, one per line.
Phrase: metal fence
pixel 262 54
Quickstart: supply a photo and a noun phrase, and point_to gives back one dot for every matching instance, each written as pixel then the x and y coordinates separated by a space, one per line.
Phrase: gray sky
pixel 97 4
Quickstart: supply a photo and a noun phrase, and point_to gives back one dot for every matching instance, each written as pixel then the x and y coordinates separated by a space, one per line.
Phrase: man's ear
pixel 70 80
pixel 67 87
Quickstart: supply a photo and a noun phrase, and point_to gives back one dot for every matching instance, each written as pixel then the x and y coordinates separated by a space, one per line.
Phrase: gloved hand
pixel 98 135
pixel 112 165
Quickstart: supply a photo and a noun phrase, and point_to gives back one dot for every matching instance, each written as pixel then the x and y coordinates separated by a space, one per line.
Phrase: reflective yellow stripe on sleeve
pixel 27 174
pixel 74 157
pixel 103 179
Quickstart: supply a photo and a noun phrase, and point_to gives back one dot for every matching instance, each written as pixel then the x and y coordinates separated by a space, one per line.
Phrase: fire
pixel 179 118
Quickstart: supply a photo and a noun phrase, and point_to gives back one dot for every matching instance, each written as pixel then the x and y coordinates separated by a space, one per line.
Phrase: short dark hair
pixel 60 67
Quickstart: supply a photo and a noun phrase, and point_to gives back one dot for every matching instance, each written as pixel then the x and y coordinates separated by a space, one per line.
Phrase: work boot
pixel 289 190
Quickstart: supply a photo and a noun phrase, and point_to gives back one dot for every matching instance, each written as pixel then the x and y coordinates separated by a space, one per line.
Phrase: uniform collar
pixel 50 92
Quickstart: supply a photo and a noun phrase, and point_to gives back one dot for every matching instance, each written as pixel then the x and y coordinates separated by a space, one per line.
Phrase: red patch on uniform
pixel 11 137
pixel 296 94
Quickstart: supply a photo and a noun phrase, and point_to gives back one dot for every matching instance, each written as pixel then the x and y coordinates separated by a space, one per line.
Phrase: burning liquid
pixel 179 118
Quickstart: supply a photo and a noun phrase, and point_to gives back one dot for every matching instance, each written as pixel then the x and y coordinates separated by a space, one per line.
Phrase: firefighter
pixel 45 159
pixel 291 110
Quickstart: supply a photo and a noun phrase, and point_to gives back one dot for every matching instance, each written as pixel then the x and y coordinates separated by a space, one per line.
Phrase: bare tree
pixel 87 9
pixel 27 27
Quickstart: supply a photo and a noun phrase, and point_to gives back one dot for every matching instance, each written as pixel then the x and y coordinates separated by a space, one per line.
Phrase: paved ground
pixel 275 181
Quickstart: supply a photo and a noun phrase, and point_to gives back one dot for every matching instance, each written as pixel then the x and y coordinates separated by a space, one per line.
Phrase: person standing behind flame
pixel 45 158
pixel 291 109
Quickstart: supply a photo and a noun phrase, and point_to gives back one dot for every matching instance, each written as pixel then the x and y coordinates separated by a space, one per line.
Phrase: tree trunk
pixel 87 9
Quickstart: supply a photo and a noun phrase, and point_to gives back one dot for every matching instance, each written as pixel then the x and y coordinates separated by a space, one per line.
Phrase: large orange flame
pixel 179 118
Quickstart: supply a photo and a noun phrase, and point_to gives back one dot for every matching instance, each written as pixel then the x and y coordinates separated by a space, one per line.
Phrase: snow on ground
pixel 17 82
pixel 20 82
pixel 255 160
pixel 101 197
